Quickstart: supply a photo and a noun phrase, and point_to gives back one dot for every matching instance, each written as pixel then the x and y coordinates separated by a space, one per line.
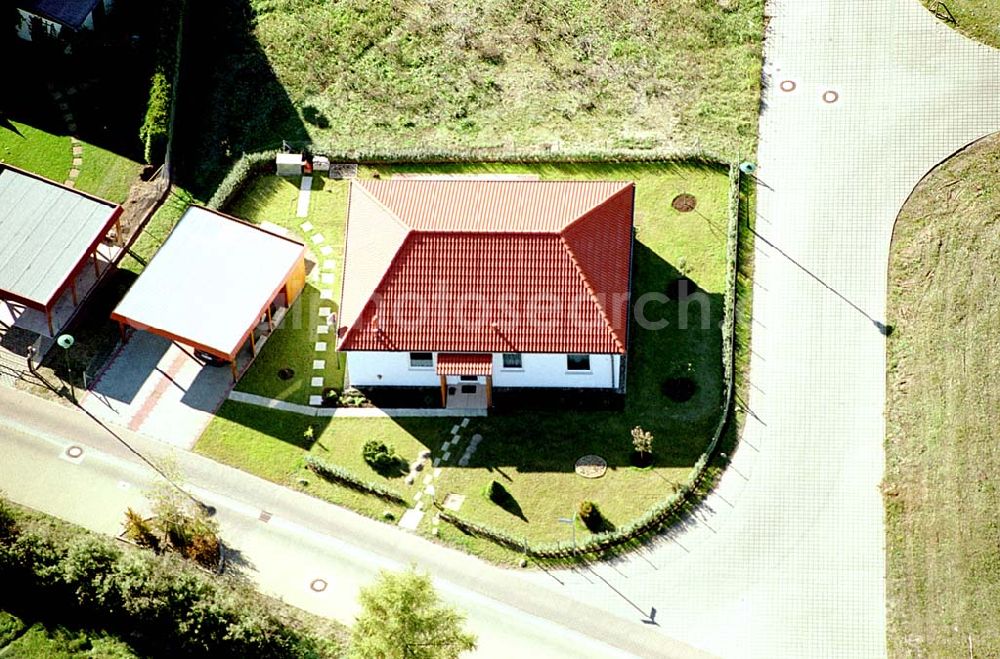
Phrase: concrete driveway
pixel 158 388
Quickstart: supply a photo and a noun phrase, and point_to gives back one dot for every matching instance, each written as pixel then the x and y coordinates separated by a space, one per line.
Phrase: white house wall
pixel 538 370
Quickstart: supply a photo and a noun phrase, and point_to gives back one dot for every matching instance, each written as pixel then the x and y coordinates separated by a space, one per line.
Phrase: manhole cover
pixel 74 452
pixel 787 85
pixel 318 585
pixel 286 374
pixel 681 289
pixel 684 202
pixel 591 466
pixel 830 96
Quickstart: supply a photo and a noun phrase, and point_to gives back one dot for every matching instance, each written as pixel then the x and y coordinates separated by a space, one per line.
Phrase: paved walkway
pixel 342 412
pixel 786 559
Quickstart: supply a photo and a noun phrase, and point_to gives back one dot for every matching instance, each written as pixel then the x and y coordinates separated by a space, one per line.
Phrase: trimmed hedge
pixel 155 130
pixel 242 171
pixel 158 604
pixel 341 476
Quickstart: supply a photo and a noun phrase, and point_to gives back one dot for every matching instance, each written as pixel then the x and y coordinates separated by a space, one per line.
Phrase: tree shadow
pixel 508 503
pixel 231 101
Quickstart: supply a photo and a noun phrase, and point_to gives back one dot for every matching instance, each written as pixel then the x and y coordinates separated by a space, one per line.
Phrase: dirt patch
pixel 684 202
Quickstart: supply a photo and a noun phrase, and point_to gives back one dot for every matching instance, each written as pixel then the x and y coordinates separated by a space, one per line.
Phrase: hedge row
pixel 156 128
pixel 341 476
pixel 685 497
pixel 251 164
pixel 158 604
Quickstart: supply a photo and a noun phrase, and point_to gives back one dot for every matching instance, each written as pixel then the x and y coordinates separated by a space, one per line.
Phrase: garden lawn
pixel 292 345
pixel 103 173
pixel 978 19
pixel 453 75
pixel 533 453
pixel 941 487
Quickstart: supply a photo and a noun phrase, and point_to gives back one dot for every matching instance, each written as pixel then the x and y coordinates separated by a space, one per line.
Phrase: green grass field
pixel 383 76
pixel 943 411
pixel 104 174
pixel 978 19
pixel 532 453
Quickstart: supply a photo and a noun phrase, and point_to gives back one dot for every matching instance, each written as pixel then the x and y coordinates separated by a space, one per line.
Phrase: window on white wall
pixel 421 360
pixel 512 360
pixel 577 362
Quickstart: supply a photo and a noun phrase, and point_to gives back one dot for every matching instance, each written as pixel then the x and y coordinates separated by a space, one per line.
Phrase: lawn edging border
pixel 685 495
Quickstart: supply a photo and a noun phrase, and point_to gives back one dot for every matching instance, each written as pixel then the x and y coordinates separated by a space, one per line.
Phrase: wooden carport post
pixel 232 364
pixel 444 391
pixel 489 391
pixel 48 317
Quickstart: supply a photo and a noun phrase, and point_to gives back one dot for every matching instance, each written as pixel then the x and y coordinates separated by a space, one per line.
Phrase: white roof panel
pixel 210 280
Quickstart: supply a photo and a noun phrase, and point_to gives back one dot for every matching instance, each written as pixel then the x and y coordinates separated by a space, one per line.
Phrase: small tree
pixel 642 441
pixel 402 618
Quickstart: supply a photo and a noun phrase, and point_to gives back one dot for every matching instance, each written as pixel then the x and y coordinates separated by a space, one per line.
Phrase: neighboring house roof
pixel 210 281
pixel 449 363
pixel 71 13
pixel 46 232
pixel 487 266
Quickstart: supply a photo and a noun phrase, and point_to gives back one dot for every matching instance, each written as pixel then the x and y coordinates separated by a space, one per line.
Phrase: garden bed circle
pixel 684 202
pixel 591 466
pixel 286 373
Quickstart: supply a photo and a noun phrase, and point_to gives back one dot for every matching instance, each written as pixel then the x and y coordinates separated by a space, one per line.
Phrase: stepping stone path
pixel 60 100
pixel 412 517
pixel 327 277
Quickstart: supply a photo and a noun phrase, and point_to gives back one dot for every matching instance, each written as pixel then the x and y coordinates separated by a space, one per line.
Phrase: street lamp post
pixel 66 341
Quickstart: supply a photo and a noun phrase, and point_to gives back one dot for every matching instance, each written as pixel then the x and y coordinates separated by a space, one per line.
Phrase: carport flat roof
pixel 47 231
pixel 210 281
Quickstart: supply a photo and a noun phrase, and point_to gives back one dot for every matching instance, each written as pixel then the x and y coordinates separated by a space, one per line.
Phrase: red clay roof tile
pixel 493 266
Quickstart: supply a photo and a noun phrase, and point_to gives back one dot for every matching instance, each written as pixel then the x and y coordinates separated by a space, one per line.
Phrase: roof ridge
pixel 360 184
pixel 590 291
pixel 625 186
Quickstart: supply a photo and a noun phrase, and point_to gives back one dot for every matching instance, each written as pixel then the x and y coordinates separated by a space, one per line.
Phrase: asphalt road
pixel 304 540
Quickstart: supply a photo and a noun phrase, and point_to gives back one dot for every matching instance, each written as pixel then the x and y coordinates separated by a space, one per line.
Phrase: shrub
pixel 245 168
pixel 140 531
pixel 591 516
pixel 155 127
pixel 8 522
pixel 379 455
pixel 205 550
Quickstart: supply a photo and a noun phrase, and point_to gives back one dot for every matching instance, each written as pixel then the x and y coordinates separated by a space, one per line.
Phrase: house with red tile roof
pixel 471 286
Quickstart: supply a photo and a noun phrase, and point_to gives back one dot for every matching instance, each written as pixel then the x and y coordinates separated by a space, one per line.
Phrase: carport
pixel 48 234
pixel 218 284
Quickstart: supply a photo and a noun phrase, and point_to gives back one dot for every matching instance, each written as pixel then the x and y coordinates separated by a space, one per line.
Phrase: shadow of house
pixel 231 101
pixel 108 72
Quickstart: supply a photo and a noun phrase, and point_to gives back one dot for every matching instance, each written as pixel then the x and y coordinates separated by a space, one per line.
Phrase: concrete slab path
pixel 787 558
